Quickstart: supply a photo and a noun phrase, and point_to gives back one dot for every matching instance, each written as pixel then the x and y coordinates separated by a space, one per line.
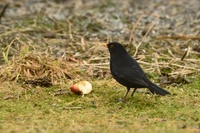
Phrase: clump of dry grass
pixel 37 68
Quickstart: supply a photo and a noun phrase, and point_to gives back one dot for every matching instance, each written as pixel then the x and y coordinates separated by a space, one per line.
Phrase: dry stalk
pixel 156 63
pixel 70 30
pixel 187 52
pixel 140 43
pixel 131 37
pixel 184 37
pixel 3 11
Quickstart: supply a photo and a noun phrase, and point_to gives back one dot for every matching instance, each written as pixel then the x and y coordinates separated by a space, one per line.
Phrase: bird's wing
pixel 131 74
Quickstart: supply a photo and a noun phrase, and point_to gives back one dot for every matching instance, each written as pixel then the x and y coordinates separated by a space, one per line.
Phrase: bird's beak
pixel 104 44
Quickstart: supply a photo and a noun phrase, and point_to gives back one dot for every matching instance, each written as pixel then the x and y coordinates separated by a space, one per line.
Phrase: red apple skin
pixel 75 90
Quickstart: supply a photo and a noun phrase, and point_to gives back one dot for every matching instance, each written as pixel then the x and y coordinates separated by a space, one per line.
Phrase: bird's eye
pixel 111 46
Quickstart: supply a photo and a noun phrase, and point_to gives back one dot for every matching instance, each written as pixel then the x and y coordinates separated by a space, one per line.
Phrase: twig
pixel 137 47
pixel 96 64
pixel 156 62
pixel 170 53
pixel 70 30
pixel 184 37
pixel 187 52
pixel 133 29
pixel 172 64
pixel 99 58
pixel 83 45
pixel 3 11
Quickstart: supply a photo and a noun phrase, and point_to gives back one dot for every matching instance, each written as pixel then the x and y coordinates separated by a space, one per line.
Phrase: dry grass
pixel 39 68
pixel 32 65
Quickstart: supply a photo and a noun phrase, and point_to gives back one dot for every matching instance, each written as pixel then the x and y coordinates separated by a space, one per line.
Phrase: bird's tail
pixel 157 90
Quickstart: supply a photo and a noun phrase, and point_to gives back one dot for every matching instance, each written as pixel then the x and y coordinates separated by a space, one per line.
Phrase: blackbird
pixel 128 72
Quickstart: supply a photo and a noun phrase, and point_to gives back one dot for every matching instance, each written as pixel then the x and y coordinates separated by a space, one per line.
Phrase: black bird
pixel 128 72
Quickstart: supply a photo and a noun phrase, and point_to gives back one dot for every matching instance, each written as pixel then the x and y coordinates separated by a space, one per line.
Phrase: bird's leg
pixel 133 91
pixel 128 89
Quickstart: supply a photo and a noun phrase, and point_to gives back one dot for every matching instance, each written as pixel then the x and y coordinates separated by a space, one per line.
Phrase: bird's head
pixel 115 48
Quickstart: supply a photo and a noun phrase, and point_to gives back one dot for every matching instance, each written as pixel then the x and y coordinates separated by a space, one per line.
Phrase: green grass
pixel 37 110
